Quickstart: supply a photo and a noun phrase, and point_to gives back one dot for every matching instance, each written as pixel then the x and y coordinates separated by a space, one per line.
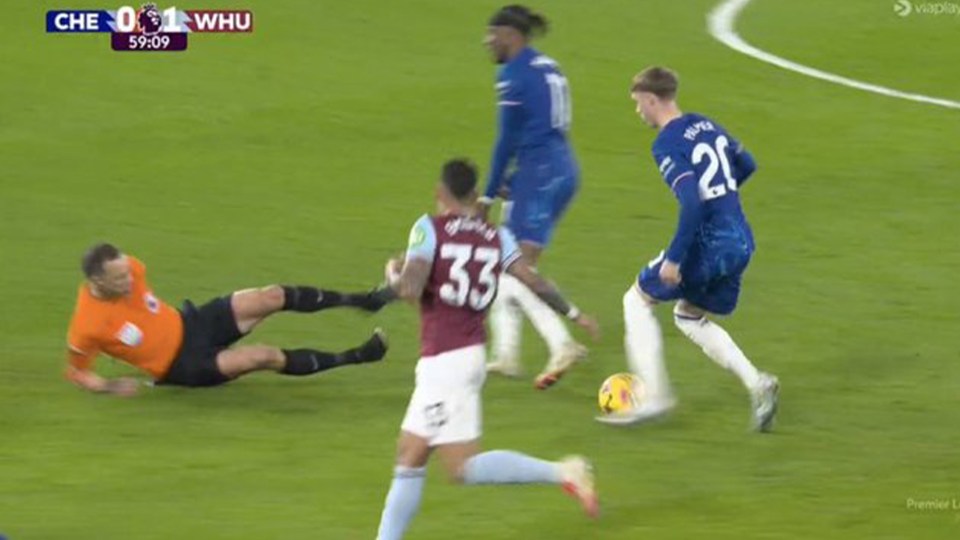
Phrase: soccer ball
pixel 620 393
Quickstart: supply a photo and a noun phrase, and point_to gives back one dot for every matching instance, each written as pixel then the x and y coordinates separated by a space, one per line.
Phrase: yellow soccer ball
pixel 622 392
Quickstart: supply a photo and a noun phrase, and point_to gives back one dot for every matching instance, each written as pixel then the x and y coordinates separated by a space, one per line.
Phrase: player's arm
pixel 547 291
pixel 509 124
pixel 691 215
pixel 680 175
pixel 408 278
pixel 743 163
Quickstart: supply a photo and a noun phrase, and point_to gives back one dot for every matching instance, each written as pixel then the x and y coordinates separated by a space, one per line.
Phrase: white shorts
pixel 445 407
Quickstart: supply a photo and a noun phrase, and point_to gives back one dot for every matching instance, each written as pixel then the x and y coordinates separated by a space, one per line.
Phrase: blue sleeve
pixel 423 240
pixel 509 249
pixel 691 214
pixel 674 166
pixel 510 122
pixel 679 174
pixel 741 161
pixel 744 164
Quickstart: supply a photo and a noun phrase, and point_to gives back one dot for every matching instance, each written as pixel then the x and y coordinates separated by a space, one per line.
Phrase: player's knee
pixel 531 253
pixel 455 478
pixel 686 309
pixel 266 357
pixel 273 296
pixel 412 451
pixel 635 298
pixel 456 473
pixel 685 315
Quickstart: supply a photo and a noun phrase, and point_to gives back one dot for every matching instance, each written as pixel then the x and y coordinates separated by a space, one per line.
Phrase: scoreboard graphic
pixel 149 28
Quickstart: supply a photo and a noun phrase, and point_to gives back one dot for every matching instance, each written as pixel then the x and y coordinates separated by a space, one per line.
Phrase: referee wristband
pixel 485 200
pixel 574 313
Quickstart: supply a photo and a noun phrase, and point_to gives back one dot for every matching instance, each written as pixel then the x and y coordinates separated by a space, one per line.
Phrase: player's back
pixel 467 261
pixel 696 142
pixel 534 82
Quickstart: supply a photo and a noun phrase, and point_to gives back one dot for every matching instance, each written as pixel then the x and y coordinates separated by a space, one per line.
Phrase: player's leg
pixel 251 306
pixel 464 463
pixel 554 197
pixel 533 214
pixel 406 488
pixel 722 277
pixel 506 320
pixel 643 341
pixel 233 363
pixel 715 293
pixel 717 344
pixel 564 350
pixel 458 428
pixel 428 415
pixel 515 299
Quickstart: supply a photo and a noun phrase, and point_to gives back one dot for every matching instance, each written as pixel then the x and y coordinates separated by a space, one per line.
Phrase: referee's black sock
pixel 372 350
pixel 310 361
pixel 311 299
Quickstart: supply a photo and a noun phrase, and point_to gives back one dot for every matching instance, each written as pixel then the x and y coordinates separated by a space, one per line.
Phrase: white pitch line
pixel 722 20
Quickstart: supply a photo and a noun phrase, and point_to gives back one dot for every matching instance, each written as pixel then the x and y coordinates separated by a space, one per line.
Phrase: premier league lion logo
pixel 150 20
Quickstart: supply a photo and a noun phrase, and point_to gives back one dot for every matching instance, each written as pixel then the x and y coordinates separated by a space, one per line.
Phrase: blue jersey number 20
pixel 560 106
pixel 718 160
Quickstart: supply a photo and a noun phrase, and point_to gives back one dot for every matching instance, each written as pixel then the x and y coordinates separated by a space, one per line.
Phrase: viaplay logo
pixel 149 28
pixel 905 8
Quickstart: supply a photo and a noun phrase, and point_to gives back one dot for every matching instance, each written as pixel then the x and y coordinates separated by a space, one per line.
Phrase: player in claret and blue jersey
pixel 452 267
pixel 704 167
pixel 534 121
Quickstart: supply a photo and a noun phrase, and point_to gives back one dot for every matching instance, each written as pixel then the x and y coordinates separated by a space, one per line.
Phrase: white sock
pixel 643 342
pixel 719 347
pixel 545 320
pixel 506 322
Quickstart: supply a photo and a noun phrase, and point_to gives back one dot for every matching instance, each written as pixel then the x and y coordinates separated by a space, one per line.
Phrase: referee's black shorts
pixel 207 330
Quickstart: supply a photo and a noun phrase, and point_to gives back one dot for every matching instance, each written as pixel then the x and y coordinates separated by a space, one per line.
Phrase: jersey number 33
pixel 468 287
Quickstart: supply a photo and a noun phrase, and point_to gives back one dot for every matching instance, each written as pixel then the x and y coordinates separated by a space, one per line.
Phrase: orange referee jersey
pixel 138 328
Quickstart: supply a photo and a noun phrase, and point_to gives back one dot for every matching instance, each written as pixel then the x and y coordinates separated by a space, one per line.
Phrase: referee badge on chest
pixel 152 303
pixel 130 335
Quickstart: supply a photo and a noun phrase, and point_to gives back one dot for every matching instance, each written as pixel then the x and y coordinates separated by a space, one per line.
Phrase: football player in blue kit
pixel 705 167
pixel 534 121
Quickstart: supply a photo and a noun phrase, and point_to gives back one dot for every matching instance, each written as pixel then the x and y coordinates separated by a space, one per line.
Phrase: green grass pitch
pixel 303 152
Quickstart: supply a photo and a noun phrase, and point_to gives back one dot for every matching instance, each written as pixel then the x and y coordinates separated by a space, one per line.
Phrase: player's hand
pixel 123 387
pixel 670 273
pixel 391 272
pixel 482 208
pixel 588 323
